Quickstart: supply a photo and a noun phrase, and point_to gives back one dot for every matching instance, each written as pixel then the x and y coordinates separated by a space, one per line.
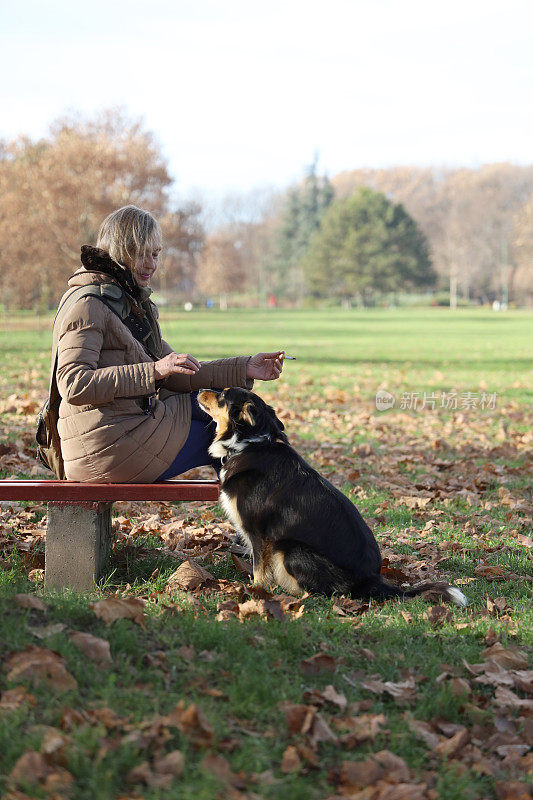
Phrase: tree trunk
pixel 453 288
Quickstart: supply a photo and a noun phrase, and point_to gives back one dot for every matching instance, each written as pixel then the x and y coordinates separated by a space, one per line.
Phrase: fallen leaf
pixel 291 761
pixel 37 664
pixel 265 608
pixel 12 699
pixel 505 697
pixel 190 721
pixel 331 695
pixel 299 716
pixel 512 790
pixel 449 747
pixel 54 742
pixel 321 662
pixel 217 766
pixel 170 764
pixel 243 567
pixel 189 576
pixel 437 615
pixel 507 657
pixel 29 601
pixel 320 732
pixel 112 608
pixel 424 731
pixel 93 647
pixel 32 768
pixel 492 572
pixel 395 767
pixel 358 774
pixel 45 631
pixel 361 729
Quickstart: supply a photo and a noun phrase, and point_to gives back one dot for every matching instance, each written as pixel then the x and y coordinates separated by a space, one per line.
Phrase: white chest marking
pixel 229 504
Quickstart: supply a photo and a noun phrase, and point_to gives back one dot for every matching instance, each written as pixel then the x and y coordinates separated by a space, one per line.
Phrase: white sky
pixel 241 93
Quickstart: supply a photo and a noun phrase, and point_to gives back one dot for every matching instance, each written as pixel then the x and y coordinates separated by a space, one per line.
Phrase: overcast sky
pixel 241 93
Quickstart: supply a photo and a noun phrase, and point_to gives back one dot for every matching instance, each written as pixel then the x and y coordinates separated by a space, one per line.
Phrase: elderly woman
pixel 128 409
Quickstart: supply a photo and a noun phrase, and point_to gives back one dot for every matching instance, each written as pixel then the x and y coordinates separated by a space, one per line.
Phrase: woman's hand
pixel 176 362
pixel 265 366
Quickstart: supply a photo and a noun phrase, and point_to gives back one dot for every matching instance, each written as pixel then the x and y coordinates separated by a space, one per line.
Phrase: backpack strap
pixel 109 293
pixel 114 298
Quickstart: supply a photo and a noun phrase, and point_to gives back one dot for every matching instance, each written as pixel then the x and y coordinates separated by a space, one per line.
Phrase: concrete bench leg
pixel 78 540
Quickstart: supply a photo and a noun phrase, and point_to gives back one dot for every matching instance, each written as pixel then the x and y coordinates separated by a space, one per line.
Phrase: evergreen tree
pixel 366 244
pixel 303 211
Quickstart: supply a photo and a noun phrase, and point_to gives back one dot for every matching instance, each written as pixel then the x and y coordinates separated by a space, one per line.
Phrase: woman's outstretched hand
pixel 265 366
pixel 176 362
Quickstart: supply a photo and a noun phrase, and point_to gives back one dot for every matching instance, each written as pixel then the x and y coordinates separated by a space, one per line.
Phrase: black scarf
pixel 96 260
pixel 138 321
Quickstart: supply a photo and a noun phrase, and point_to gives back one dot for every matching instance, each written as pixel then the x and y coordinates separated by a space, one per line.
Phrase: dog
pixel 303 534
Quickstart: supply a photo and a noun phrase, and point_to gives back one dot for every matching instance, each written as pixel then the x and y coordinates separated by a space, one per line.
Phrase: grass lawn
pixel 445 486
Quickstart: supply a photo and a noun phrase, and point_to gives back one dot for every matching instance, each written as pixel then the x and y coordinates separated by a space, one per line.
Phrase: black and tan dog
pixel 302 532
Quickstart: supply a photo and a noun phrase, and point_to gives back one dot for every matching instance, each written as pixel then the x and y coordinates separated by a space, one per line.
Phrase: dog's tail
pixel 381 590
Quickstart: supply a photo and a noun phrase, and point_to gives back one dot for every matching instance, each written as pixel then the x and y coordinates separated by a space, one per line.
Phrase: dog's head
pixel 241 417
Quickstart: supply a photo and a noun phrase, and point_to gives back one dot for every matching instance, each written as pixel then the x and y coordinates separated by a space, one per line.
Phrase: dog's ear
pixel 246 414
pixel 278 422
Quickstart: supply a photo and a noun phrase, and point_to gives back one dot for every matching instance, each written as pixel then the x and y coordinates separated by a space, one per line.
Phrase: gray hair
pixel 128 233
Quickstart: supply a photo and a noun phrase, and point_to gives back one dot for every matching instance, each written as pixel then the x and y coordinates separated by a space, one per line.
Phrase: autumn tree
pixel 221 268
pixel 55 192
pixel 366 244
pixel 520 276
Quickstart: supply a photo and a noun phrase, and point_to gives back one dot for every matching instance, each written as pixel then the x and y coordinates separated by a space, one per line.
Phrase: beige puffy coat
pixel 103 373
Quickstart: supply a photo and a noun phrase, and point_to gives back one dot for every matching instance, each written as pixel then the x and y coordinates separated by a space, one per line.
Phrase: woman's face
pixel 144 268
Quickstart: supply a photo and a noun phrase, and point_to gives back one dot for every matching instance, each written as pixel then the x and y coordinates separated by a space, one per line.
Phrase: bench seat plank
pixel 65 491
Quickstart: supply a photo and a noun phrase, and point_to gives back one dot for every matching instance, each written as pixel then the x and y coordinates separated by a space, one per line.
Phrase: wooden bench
pixel 78 531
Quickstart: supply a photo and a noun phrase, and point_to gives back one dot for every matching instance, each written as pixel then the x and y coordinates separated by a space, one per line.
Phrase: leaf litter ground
pixel 179 678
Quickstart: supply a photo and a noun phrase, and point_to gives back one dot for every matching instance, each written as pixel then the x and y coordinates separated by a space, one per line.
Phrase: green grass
pixel 326 398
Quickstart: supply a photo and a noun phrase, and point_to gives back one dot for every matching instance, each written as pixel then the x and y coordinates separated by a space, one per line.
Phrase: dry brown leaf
pixel 496 606
pixel 189 576
pixel 320 732
pixel 112 608
pixel 358 774
pixel 32 768
pixel 217 766
pixel 170 764
pixel 512 790
pixel 299 716
pixel 190 721
pixel 510 657
pixel 12 699
pixel 29 601
pixel 332 696
pixel 492 572
pixel 449 747
pixel 92 646
pixel 395 767
pixel 265 608
pixel 424 731
pixel 45 631
pixel 54 742
pixel 37 664
pixel 321 662
pixel 437 615
pixel 361 729
pixel 291 761
pixel 505 697
pixel 243 567
pixel 403 691
pixel 527 541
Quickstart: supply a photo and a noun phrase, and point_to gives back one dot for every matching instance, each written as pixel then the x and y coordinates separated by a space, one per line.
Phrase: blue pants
pixel 194 451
